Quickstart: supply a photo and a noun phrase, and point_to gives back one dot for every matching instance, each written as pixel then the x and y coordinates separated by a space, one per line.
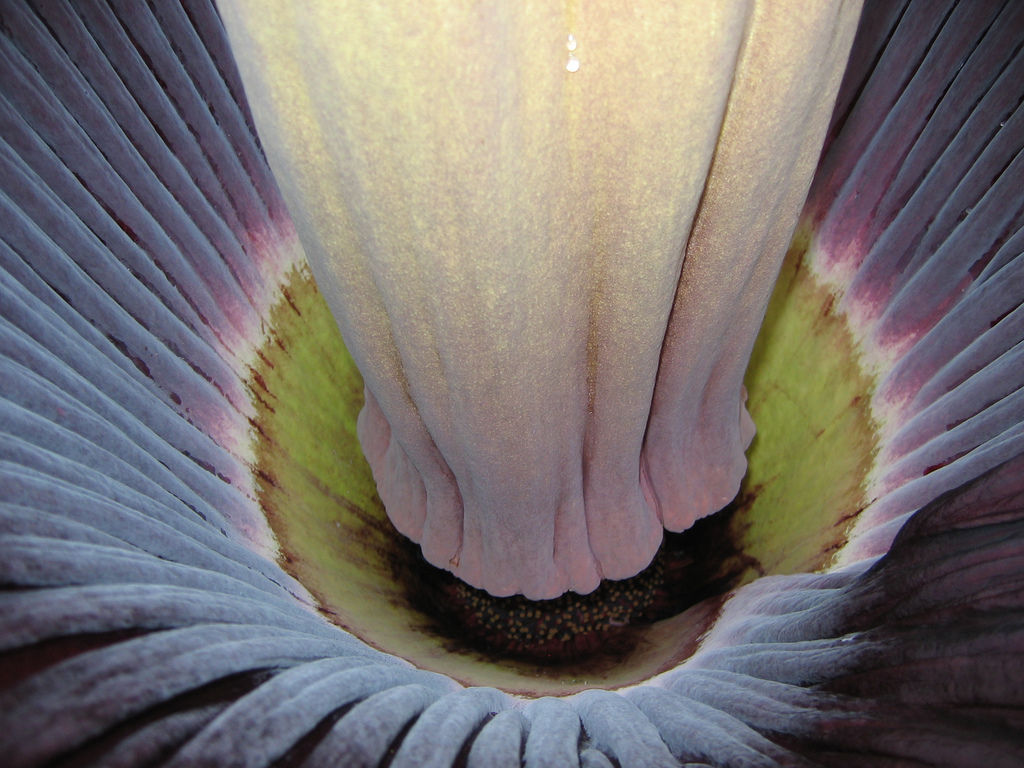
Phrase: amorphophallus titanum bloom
pixel 551 278
pixel 143 246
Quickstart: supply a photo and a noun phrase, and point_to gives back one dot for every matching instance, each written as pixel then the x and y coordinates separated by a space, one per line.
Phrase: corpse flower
pixel 197 569
pixel 553 329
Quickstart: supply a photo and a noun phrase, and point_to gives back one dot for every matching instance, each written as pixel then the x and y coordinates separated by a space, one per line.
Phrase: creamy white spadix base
pixel 549 256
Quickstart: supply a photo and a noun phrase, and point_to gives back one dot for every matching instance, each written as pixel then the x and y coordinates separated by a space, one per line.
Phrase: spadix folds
pixel 550 280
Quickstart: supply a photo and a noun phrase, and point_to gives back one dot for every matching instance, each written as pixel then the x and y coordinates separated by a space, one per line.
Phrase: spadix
pixel 548 233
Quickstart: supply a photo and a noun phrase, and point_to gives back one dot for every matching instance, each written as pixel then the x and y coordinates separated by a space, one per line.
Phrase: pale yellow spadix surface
pixel 549 273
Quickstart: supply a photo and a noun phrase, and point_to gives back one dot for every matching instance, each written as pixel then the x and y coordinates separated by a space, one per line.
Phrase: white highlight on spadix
pixel 573 63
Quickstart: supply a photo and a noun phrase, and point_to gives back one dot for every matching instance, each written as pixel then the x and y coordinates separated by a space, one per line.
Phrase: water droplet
pixel 572 64
pixel 571 43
